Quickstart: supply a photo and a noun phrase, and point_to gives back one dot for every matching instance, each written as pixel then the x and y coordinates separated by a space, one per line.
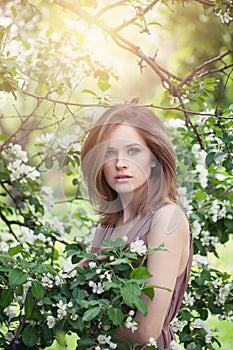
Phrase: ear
pixel 153 164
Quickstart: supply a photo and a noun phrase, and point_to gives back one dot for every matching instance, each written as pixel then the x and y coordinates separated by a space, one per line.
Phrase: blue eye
pixel 133 151
pixel 110 154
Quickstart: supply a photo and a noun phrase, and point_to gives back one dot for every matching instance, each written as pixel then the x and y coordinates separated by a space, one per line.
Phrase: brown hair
pixel 162 182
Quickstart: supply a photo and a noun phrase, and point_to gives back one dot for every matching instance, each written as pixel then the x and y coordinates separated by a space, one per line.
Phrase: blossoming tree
pixel 54 80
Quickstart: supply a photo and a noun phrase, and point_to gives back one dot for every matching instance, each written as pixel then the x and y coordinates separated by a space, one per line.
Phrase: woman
pixel 130 169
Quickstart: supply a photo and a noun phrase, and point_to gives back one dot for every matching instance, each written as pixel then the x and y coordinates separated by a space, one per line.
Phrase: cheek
pixel 144 165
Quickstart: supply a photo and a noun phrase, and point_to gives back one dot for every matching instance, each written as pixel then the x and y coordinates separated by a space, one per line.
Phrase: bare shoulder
pixel 170 222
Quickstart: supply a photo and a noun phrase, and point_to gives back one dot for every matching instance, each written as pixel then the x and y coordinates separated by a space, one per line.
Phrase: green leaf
pixel 119 261
pixel 141 274
pixel 113 245
pixel 6 298
pixel 13 11
pixel 228 163
pixel 154 23
pixel 15 250
pixel 30 335
pixel 200 195
pixel 3 137
pixel 37 290
pixel 78 294
pixel 210 158
pixel 48 162
pixel 103 85
pixel 17 276
pixel 227 137
pixel 110 285
pixel 130 292
pixel 90 314
pixel 231 108
pixel 28 306
pixel 85 342
pixel 61 337
pixel 89 91
pixel 219 156
pixel 149 291
pixel 141 306
pixel 116 316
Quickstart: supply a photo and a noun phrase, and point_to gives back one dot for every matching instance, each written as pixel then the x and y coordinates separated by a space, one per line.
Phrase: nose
pixel 121 163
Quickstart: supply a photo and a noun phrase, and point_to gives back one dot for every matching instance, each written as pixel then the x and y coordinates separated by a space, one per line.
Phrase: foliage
pixel 43 302
pixel 53 83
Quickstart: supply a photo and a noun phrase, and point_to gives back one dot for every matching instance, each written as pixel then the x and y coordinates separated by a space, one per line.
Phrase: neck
pixel 127 201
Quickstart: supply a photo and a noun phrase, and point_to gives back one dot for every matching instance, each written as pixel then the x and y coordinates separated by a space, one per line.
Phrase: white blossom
pixel 76 147
pixel 16 152
pixel 47 281
pixel 125 239
pixel 196 228
pixel 228 316
pixel 47 193
pixel 67 140
pixel 62 309
pixel 191 346
pixel 74 317
pixel 203 173
pixel 19 170
pixel 58 225
pixel 218 209
pixel 4 247
pixel 200 156
pixel 92 264
pixel 41 237
pixel 207 240
pixel 50 321
pixel 152 342
pixel 66 267
pixel 224 16
pixel 106 339
pixel 175 123
pixel 188 299
pixel 9 336
pixel 131 313
pixel 198 323
pixel 224 291
pixel 45 138
pixel 131 324
pixel 11 311
pixel 91 284
pixel 175 346
pixel 177 325
pixel 138 247
pixel 98 288
pixel 201 260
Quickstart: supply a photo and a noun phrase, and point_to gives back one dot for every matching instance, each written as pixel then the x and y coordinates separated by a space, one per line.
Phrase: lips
pixel 122 176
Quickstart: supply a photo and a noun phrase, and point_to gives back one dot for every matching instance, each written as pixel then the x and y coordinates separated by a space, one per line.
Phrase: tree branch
pixel 204 2
pixel 198 69
pixel 110 7
pixel 133 19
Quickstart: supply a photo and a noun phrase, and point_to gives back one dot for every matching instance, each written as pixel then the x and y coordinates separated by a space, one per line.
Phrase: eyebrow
pixel 127 146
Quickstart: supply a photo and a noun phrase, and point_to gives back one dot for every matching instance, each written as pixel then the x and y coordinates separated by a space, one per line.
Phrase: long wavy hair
pixel 162 181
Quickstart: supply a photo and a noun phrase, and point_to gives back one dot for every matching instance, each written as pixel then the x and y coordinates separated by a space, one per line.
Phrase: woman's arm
pixel 170 226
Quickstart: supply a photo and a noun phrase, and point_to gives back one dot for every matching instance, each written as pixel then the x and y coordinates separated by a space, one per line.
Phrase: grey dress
pixel 139 230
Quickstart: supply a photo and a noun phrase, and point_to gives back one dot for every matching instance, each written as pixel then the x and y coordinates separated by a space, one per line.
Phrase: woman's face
pixel 128 160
